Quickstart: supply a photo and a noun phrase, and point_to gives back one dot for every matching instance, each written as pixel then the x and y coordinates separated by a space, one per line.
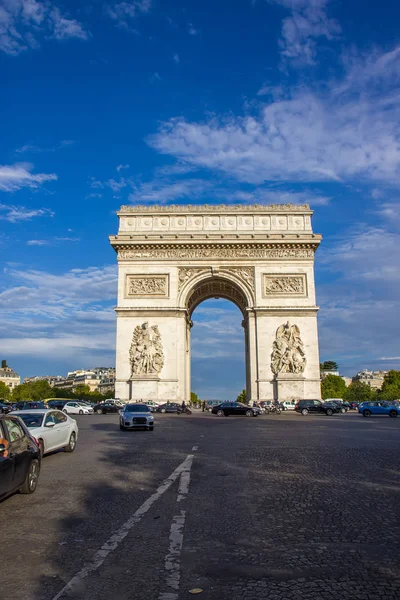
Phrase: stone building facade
pixel 171 258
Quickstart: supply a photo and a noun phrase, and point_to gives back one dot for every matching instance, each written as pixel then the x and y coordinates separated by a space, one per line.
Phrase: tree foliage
pixel 5 392
pixel 391 386
pixel 41 390
pixel 242 397
pixel 329 365
pixel 358 392
pixel 333 386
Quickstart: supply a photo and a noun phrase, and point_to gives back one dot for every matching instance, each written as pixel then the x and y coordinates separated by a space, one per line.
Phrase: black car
pixel 306 407
pixel 29 405
pixel 170 407
pixel 105 408
pixel 56 404
pixel 19 457
pixel 235 408
pixel 5 408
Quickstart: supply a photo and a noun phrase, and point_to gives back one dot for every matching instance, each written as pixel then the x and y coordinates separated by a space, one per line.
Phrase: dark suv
pixel 306 407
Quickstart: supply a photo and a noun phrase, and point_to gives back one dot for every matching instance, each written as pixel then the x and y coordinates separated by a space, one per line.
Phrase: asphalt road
pixel 275 507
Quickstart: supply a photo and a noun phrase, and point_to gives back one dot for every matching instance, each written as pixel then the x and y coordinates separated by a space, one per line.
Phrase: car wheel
pixel 71 443
pixel 393 413
pixel 163 410
pixel 249 413
pixel 99 411
pixel 278 411
pixel 151 428
pixel 367 413
pixel 304 412
pixel 342 410
pixel 329 412
pixel 122 428
pixel 81 412
pixel 220 413
pixel 65 411
pixel 32 478
pixel 41 447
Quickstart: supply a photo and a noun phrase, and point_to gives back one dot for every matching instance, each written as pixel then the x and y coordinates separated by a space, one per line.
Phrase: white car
pixel 52 428
pixel 76 408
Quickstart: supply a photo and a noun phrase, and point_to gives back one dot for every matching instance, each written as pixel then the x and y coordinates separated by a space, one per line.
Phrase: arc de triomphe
pixel 171 258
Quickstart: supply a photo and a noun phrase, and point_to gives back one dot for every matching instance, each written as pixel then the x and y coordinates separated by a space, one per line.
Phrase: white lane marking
pixel 184 482
pixel 173 558
pixel 112 543
pixel 195 448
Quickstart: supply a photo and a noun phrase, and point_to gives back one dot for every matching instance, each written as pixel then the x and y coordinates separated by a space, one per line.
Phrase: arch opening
pixel 216 287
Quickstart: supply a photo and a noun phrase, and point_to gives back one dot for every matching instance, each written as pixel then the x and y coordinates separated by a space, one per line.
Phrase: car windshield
pixel 32 419
pixel 136 408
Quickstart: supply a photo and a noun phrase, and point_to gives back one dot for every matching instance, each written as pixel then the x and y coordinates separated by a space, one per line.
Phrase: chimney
pixel 4 364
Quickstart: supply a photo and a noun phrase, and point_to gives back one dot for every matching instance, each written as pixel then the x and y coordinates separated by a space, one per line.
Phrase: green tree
pixel 82 390
pixel 329 365
pixel 22 392
pixel 41 390
pixel 5 392
pixel 194 399
pixel 242 397
pixel 358 392
pixel 333 386
pixel 391 386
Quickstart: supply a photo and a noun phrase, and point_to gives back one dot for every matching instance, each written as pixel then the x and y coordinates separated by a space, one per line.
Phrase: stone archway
pixel 171 258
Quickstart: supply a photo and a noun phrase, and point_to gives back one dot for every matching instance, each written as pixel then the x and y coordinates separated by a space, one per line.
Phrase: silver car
pixel 136 416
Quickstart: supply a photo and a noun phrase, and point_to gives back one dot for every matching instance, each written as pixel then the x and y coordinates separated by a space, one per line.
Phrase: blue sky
pixel 106 103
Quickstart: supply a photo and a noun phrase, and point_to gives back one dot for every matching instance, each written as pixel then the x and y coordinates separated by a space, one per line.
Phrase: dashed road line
pixel 173 557
pixel 76 583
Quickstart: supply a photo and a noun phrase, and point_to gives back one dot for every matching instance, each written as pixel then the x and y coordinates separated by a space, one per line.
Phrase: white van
pixel 288 404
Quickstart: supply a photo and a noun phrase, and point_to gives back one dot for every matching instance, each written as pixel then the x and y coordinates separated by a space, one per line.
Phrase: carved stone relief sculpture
pixel 244 273
pixel 284 285
pixel 186 273
pixel 288 354
pixel 199 252
pixel 147 285
pixel 146 352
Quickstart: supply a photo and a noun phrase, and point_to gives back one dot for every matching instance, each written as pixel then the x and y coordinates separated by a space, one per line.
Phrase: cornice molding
pixel 212 208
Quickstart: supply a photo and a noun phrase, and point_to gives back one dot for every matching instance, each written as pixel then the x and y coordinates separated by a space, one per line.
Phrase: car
pixel 58 404
pixel 335 406
pixel 22 405
pixel 288 404
pixel 20 458
pixel 104 408
pixel 75 408
pixel 52 429
pixel 235 408
pixel 379 408
pixel 152 405
pixel 306 407
pixel 211 403
pixel 169 407
pixel 5 408
pixel 136 416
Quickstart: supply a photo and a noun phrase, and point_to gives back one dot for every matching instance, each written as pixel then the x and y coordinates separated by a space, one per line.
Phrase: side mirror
pixel 50 424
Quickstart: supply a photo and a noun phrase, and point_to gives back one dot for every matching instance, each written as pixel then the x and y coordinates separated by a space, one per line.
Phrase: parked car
pixel 152 405
pixel 211 403
pixel 75 408
pixel 5 408
pixel 235 408
pixel 288 404
pixel 56 404
pixel 19 458
pixel 306 407
pixel 136 416
pixel 29 405
pixel 105 408
pixel 379 408
pixel 52 429
pixel 169 407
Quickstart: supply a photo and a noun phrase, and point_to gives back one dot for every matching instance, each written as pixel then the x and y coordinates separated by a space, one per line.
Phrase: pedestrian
pixel 203 406
pixel 183 406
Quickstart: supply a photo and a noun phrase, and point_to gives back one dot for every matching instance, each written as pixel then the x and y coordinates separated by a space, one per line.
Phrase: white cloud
pixel 17 176
pixel 192 30
pixel 115 185
pixel 166 191
pixel 350 129
pixel 38 242
pixel 15 214
pixel 176 58
pixel 268 196
pixel 120 167
pixel 24 22
pixel 123 13
pixel 68 315
pixel 38 149
pixel 307 23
